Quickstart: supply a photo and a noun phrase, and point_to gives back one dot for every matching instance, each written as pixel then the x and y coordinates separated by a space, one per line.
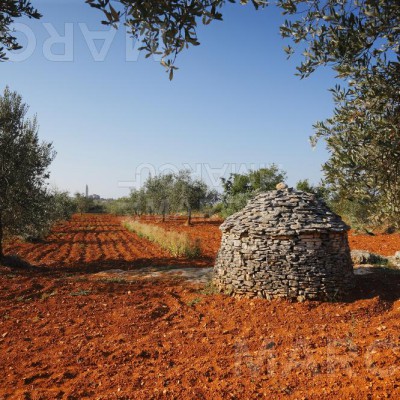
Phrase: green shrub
pixel 122 206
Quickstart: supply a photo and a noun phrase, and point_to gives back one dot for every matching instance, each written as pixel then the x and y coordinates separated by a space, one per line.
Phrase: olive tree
pixel 138 200
pixel 360 41
pixel 83 204
pixel 24 162
pixel 158 192
pixel 61 206
pixel 190 194
pixel 240 188
pixel 364 144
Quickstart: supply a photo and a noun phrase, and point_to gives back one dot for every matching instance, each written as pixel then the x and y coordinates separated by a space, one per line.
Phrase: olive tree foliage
pixel 55 206
pixel 61 206
pixel 360 40
pixel 164 27
pixel 165 194
pixel 191 194
pixel 138 200
pixel 352 36
pixel 24 162
pixel 320 190
pixel 121 206
pixel 363 139
pixel 159 190
pixel 9 11
pixel 240 188
pixel 349 35
pixel 83 204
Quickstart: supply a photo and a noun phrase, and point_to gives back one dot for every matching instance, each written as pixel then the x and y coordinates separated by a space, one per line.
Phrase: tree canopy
pixel 239 188
pixel 351 36
pixel 23 169
pixel 354 37
pixel 165 194
pixel 364 144
pixel 159 190
pixel 164 27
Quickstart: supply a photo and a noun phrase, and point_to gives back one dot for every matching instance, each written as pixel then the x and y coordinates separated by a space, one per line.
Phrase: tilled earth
pixel 383 244
pixel 66 335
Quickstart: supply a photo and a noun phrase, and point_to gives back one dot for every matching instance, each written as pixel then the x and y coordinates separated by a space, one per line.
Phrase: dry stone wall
pixel 284 244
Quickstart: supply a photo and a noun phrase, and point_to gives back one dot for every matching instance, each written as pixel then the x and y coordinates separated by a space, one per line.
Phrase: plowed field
pixel 64 335
pixel 90 243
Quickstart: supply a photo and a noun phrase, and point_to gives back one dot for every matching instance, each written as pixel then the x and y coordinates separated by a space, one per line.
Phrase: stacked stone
pixel 285 244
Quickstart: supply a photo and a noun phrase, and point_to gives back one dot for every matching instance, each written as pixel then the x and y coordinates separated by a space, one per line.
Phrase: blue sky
pixel 235 102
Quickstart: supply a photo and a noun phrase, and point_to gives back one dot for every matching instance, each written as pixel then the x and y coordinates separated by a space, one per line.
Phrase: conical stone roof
pixel 284 212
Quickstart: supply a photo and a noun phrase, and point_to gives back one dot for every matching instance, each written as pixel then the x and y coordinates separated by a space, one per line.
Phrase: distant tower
pixel 87 191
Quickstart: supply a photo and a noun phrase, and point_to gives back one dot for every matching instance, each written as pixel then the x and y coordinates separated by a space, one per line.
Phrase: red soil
pixel 66 336
pixel 383 244
pixel 90 243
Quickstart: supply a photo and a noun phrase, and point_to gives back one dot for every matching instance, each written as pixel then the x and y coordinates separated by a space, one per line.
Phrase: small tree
pixel 82 203
pixel 121 206
pixel 138 200
pixel 189 194
pixel 61 205
pixel 321 191
pixel 159 191
pixel 23 169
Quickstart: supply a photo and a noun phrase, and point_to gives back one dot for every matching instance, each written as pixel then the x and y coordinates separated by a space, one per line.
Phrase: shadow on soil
pixel 81 268
pixel 383 283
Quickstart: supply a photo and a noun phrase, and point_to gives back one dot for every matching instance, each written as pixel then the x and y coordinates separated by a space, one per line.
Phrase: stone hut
pixel 284 243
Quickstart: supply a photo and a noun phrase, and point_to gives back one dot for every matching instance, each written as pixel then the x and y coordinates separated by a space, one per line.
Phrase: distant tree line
pixel 167 194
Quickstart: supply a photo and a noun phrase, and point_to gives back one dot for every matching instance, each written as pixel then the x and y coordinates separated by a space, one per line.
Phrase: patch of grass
pixel 81 293
pixel 178 244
